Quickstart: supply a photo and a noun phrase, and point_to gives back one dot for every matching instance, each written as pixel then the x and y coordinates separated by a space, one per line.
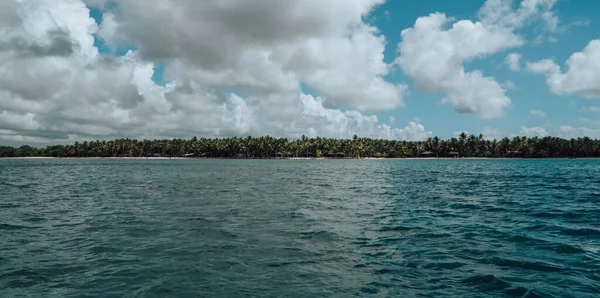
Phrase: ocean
pixel 299 228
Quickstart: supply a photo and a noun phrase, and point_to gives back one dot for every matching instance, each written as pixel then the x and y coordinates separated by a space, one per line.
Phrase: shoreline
pixel 291 158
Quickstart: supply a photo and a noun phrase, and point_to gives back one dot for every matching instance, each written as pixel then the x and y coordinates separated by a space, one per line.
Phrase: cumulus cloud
pixel 537 113
pixel 582 74
pixel 513 60
pixel 508 84
pixel 262 47
pixel 499 13
pixel 568 132
pixel 433 53
pixel 55 86
pixel 533 131
pixel 543 66
pixel 591 109
pixel 590 122
pixel 492 133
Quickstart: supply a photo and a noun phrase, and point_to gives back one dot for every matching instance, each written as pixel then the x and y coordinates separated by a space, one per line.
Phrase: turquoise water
pixel 289 228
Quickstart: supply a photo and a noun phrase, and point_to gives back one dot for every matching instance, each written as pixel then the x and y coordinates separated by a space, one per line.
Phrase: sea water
pixel 299 228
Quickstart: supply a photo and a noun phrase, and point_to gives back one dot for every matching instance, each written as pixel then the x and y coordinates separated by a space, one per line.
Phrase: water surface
pixel 289 228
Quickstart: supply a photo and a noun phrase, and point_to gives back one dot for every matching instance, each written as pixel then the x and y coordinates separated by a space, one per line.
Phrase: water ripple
pixel 236 228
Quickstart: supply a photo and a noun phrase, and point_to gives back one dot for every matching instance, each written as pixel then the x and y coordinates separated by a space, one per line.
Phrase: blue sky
pixel 151 69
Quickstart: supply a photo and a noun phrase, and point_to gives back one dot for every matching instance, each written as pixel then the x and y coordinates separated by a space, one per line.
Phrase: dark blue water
pixel 332 228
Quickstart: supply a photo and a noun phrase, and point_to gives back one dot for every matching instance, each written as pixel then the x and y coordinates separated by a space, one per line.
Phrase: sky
pixel 81 70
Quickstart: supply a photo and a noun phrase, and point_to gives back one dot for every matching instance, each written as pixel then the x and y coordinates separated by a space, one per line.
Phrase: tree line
pixel 270 147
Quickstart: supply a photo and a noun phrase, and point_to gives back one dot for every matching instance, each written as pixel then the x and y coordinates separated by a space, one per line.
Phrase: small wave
pixel 104 249
pixel 293 215
pixel 385 271
pixel 557 215
pixel 319 235
pixel 199 219
pixel 586 232
pixel 521 292
pixel 34 219
pixel 495 209
pixel 487 282
pixel 444 265
pixel 288 263
pixel 395 228
pixel 535 266
pixel 567 249
pixel 563 186
pixel 69 224
pixel 23 278
pixel 362 265
pixel 465 206
pixel 371 290
pixel 547 245
pixel 13 227
pixel 25 185
pixel 545 214
pixel 474 182
pixel 374 288
pixel 8 205
pixel 537 227
pixel 491 283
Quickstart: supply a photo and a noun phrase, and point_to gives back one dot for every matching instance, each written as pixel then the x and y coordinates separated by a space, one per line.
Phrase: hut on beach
pixel 514 154
pixel 454 154
pixel 282 155
pixel 335 155
pixel 427 154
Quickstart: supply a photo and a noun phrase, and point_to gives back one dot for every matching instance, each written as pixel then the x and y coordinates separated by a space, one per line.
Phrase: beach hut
pixel 282 154
pixel 335 155
pixel 454 154
pixel 427 154
pixel 514 154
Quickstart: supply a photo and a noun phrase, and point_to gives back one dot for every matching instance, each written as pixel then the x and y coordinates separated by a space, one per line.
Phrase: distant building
pixel 335 155
pixel 514 154
pixel 427 154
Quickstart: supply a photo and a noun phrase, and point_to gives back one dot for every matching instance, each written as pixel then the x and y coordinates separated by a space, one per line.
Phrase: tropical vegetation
pixel 270 147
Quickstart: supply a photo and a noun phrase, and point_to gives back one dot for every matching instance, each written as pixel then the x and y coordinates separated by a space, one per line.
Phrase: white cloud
pixel 582 75
pixel 533 131
pixel 261 47
pixel 433 58
pixel 458 133
pixel 537 113
pixel 508 84
pixel 432 53
pixel 542 66
pixel 590 122
pixel 492 133
pixel 552 22
pixel 568 132
pixel 499 13
pixel 56 87
pixel 513 60
pixel 591 109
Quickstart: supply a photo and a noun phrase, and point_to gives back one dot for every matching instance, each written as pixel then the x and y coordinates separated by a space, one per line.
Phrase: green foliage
pixel 23 151
pixel 269 147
